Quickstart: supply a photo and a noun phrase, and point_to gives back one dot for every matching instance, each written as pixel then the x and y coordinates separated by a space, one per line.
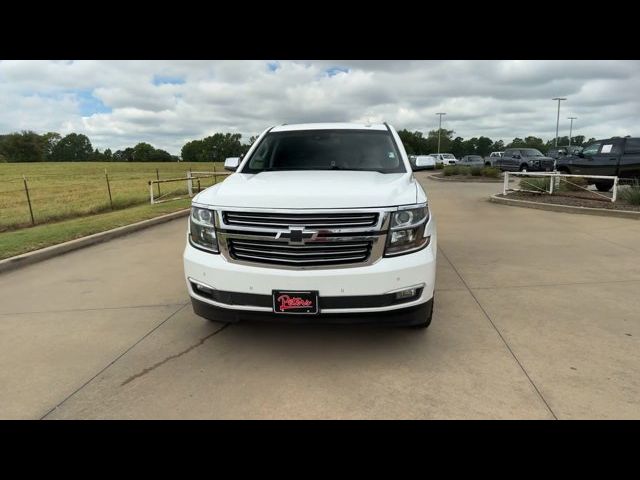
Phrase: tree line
pixel 415 143
pixel 28 146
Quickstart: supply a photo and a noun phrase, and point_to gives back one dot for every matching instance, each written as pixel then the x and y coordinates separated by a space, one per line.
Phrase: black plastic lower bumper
pixel 407 316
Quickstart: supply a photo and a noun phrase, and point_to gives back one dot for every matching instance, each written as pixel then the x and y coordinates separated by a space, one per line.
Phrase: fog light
pixel 408 293
pixel 203 289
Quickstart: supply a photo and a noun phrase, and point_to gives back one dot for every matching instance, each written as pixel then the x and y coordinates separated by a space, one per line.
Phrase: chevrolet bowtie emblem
pixel 297 235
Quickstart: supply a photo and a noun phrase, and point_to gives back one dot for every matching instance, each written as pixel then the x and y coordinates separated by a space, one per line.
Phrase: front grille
pixel 317 253
pixel 314 221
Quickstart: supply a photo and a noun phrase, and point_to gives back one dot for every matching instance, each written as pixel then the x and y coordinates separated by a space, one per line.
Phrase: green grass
pixel 27 239
pixel 539 184
pixel 65 190
pixel 631 193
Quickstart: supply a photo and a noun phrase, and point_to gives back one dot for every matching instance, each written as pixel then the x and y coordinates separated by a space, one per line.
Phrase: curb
pixel 442 179
pixel 603 212
pixel 55 250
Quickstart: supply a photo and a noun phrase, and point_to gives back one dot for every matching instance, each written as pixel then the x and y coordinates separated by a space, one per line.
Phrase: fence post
pixel 158 178
pixel 506 183
pixel 26 189
pixel 215 177
pixel 106 175
pixel 189 183
pixel 552 181
pixel 151 192
pixel 615 190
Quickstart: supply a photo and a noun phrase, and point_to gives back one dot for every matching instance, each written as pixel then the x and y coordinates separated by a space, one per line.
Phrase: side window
pixel 592 149
pixel 611 147
pixel 632 146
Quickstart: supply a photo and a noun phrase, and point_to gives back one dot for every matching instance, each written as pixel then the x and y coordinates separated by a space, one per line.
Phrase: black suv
pixel 524 160
pixel 615 157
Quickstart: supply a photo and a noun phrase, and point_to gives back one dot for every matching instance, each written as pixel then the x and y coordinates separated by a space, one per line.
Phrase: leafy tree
pixel 457 147
pixel 142 152
pixel 51 140
pixel 26 146
pixel 108 156
pixel 485 145
pixel 445 140
pixel 497 146
pixel 193 151
pixel 414 143
pixel 72 148
pixel 125 155
pixel 160 156
pixel 577 140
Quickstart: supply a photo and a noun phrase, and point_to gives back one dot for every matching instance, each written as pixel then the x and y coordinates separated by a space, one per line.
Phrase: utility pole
pixel 571 128
pixel 559 99
pixel 439 129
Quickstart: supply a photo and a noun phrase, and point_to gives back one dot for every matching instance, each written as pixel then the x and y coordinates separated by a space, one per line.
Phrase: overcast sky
pixel 167 103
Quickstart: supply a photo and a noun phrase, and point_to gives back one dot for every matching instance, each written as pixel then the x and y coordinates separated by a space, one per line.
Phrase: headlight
pixel 406 232
pixel 202 230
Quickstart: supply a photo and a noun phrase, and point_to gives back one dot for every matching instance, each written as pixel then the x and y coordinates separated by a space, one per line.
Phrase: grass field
pixel 65 190
pixel 70 199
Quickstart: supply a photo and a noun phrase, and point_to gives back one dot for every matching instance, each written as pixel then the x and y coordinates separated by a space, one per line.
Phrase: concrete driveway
pixel 537 315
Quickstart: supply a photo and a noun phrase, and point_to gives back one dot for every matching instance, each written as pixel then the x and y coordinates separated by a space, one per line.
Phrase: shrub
pixel 476 171
pixel 631 193
pixel 439 166
pixel 574 186
pixel 535 184
pixel 491 172
pixel 451 170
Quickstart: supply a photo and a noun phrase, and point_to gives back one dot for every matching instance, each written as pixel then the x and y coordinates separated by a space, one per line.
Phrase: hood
pixel 312 189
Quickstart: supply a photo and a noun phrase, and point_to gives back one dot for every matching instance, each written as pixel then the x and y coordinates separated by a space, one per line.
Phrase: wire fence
pixel 36 199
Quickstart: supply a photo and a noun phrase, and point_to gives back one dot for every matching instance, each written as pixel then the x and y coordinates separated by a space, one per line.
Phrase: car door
pixel 630 161
pixel 510 160
pixel 584 163
pixel 605 160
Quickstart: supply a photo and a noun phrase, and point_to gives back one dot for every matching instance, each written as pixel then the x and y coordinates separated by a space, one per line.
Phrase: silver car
pixel 472 161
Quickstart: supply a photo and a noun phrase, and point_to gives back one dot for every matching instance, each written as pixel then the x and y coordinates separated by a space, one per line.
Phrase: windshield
pixel 531 152
pixel 447 155
pixel 364 150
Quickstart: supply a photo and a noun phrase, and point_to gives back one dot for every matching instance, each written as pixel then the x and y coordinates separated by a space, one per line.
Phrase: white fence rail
pixel 189 179
pixel 554 183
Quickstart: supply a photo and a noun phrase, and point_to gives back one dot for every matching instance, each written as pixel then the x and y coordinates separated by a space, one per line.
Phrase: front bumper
pixel 346 291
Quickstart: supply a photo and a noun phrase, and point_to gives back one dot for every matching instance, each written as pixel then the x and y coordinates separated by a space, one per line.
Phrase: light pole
pixel 571 128
pixel 439 129
pixel 559 99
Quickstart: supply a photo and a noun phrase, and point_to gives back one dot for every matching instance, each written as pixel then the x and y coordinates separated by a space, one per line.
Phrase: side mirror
pixel 232 163
pixel 516 155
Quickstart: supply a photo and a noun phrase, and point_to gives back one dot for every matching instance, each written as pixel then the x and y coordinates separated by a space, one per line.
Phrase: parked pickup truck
pixel 524 160
pixel 612 157
pixel 491 160
pixel 444 158
pixel 319 222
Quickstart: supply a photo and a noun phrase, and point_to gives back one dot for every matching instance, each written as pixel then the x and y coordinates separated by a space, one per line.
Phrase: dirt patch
pixel 572 199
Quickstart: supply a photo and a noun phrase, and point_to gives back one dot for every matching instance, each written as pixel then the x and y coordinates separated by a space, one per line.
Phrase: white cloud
pixel 499 99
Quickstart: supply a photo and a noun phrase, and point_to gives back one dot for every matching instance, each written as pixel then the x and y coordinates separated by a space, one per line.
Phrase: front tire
pixel 604 186
pixel 523 168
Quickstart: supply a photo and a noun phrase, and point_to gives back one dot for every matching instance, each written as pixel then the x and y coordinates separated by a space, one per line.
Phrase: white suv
pixel 319 222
